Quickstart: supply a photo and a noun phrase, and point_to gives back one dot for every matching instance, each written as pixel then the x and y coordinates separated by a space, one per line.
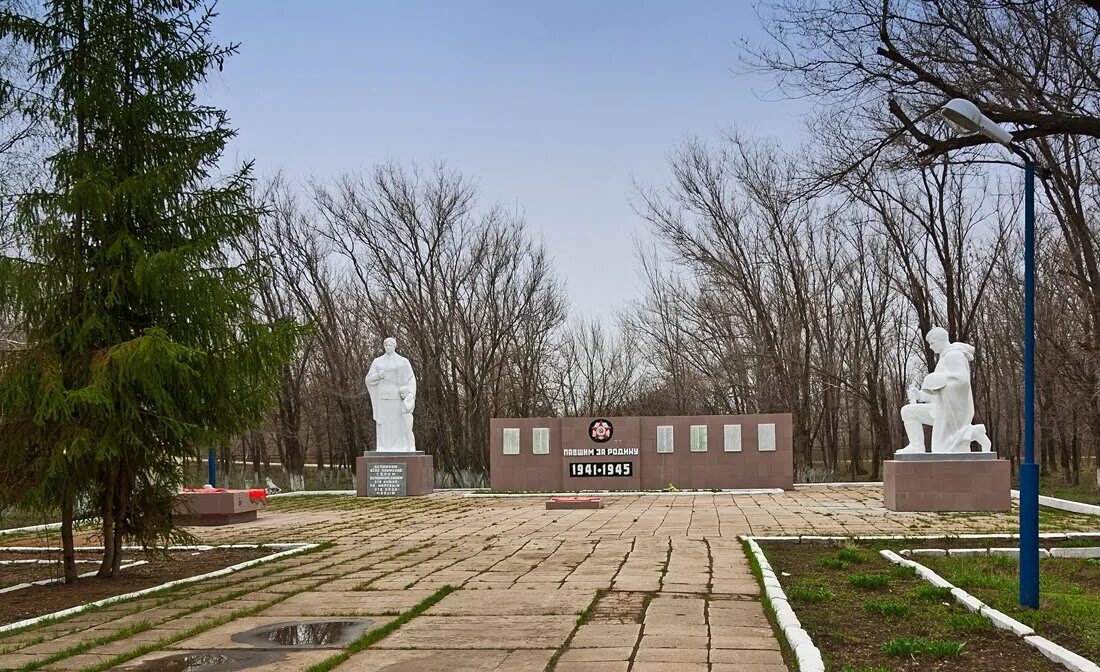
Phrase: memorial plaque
pixel 387 480
pixel 626 453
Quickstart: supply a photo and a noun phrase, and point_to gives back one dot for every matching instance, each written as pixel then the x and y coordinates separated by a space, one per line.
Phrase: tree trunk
pixel 122 497
pixel 254 450
pixel 1075 452
pixel 68 549
pixel 107 515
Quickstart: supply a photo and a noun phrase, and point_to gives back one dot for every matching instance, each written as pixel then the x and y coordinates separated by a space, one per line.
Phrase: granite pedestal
pixel 939 482
pixel 379 474
pixel 214 507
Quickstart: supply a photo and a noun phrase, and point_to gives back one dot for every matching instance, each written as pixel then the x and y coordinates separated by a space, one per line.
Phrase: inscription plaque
pixel 601 469
pixel 387 480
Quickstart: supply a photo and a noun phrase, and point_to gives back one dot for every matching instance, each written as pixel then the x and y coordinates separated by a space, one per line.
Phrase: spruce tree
pixel 141 343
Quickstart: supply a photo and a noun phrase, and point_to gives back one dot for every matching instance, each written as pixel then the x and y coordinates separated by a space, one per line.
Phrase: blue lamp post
pixel 966 116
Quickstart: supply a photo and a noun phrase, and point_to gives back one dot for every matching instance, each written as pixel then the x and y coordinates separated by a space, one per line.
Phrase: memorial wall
pixel 701 452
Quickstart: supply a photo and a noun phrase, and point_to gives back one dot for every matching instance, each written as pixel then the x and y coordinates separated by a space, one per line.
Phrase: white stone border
pixel 96 549
pixel 1064 504
pixel 299 548
pixel 807 655
pixel 30 528
pixel 1058 654
pixel 1083 552
pixel 926 537
pixel 46 582
pixel 847 484
pixel 628 493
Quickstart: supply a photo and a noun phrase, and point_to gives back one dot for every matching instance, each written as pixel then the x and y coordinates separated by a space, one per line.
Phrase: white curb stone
pixel 1061 655
pixel 933 578
pixel 1064 504
pixel 807 655
pixel 967 600
pixel 956 552
pixel 29 528
pixel 1075 552
pixel 1006 622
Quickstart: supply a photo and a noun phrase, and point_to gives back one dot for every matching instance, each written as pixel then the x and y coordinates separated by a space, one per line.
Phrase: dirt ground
pixel 160 568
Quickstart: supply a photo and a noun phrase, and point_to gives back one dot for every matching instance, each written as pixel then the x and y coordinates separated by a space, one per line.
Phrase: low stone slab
pixel 556 503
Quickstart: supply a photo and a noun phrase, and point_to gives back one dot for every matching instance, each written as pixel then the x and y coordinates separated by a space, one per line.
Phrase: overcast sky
pixel 554 107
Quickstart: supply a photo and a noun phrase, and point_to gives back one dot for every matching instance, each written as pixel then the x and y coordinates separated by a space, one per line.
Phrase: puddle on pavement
pixel 304 634
pixel 223 660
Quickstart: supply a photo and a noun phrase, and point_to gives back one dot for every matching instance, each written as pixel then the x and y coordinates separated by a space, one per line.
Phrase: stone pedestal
pixel 380 474
pixel 214 507
pixel 937 482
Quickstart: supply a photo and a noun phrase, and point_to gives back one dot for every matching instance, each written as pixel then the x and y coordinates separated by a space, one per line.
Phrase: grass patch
pixel 834 563
pixel 919 646
pixel 869 580
pixel 852 555
pixel 1087 491
pixel 1080 543
pixel 968 622
pixel 937 593
pixel 809 593
pixel 369 638
pixel 886 608
pixel 903 571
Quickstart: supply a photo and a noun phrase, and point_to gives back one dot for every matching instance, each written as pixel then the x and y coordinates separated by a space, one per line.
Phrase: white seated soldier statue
pixel 945 401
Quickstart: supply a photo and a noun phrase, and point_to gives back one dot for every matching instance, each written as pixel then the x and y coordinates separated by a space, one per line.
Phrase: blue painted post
pixel 212 461
pixel 1029 470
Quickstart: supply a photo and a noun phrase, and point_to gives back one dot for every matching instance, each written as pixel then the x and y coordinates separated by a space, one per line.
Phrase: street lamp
pixel 966 116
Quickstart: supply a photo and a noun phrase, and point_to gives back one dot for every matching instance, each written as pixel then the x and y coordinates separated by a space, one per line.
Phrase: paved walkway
pixel 662 580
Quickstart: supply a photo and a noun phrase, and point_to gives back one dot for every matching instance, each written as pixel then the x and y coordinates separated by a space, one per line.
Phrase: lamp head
pixel 967 118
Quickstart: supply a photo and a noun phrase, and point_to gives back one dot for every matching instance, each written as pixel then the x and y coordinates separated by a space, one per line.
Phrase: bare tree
pixel 471 299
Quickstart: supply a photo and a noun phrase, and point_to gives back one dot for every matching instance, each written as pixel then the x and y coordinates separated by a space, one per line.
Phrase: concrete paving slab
pixel 452 660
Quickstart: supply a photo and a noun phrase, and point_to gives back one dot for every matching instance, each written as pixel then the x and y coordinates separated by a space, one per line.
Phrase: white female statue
pixel 950 402
pixel 392 388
